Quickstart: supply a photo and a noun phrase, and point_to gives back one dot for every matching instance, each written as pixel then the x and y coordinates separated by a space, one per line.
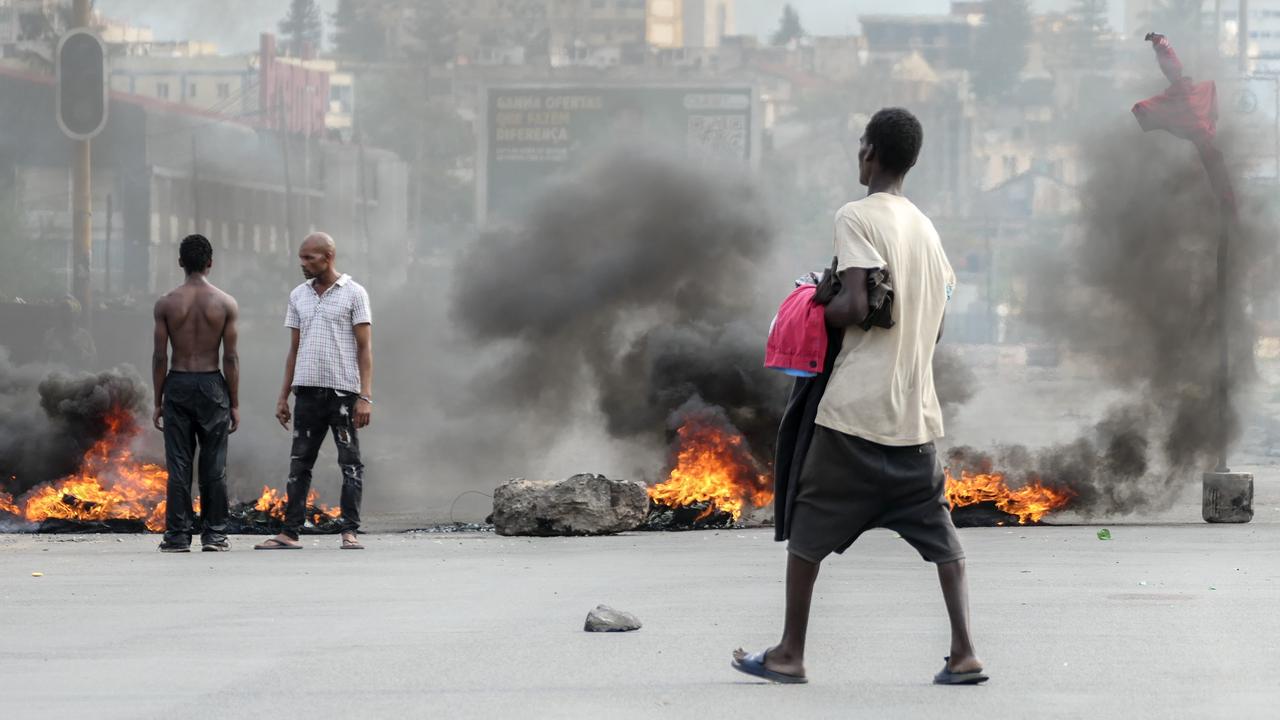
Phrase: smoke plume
pixel 74 411
pixel 955 382
pixel 1135 295
pixel 633 281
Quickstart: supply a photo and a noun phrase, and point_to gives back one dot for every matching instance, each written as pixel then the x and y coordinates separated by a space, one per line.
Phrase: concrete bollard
pixel 1228 497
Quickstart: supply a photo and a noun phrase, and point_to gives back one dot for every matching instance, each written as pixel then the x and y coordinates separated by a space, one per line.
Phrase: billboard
pixel 533 133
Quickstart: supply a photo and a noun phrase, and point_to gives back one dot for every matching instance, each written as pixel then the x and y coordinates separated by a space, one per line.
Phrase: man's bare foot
pixel 957 664
pixel 349 541
pixel 777 661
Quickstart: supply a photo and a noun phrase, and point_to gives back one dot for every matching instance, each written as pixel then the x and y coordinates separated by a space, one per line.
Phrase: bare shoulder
pixel 163 304
pixel 227 299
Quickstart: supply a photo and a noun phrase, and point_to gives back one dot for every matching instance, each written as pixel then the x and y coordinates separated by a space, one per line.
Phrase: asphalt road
pixel 1166 621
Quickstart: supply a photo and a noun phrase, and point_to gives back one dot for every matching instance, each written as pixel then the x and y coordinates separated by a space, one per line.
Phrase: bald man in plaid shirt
pixel 330 372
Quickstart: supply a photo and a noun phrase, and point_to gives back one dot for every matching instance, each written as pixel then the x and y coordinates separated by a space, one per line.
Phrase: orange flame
pixel 273 503
pixel 1030 502
pixel 7 505
pixel 270 502
pixel 111 485
pixel 713 465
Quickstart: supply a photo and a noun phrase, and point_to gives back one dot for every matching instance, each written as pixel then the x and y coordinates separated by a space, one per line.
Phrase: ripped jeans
pixel 317 411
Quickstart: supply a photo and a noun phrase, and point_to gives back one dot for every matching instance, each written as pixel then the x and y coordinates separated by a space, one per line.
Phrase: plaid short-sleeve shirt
pixel 326 325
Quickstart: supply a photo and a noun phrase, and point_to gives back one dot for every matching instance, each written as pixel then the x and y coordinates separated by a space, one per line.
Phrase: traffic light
pixel 82 84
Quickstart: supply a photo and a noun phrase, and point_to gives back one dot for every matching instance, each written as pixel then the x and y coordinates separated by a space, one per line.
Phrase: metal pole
pixel 81 230
pixel 1242 36
pixel 288 176
pixel 195 181
pixel 82 207
pixel 1224 351
pixel 106 252
pixel 1217 28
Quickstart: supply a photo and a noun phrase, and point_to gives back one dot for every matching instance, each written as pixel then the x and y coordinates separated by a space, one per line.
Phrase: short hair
pixel 896 136
pixel 195 254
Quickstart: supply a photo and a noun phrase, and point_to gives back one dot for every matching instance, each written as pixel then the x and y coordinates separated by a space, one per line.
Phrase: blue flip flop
pixel 754 665
pixel 947 677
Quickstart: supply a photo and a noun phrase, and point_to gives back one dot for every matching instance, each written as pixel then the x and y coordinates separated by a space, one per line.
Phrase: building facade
pixel 598 33
pixel 307 95
pixel 689 23
pixel 163 170
pixel 946 42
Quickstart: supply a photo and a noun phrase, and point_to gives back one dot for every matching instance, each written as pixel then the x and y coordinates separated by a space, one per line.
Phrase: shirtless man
pixel 195 404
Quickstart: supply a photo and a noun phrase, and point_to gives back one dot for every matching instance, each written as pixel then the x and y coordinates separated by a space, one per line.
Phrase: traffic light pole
pixel 82 206
pixel 81 230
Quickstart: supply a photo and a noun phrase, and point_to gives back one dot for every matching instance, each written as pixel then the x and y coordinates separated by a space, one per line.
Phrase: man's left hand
pixel 364 412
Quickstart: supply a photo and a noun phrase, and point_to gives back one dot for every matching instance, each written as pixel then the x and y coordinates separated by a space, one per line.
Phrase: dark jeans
pixel 197 411
pixel 315 412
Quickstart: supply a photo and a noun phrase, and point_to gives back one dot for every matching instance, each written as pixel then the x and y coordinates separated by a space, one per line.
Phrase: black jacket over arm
pixel 795 433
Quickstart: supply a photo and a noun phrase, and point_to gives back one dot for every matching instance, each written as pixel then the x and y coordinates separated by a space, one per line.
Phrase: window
pixel 162 90
pixel 224 91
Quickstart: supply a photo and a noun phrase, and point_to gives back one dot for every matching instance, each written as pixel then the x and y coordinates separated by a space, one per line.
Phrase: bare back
pixel 196 316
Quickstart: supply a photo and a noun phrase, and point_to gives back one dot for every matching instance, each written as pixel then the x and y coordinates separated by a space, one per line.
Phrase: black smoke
pixel 1134 294
pixel 956 383
pixel 633 282
pixel 49 419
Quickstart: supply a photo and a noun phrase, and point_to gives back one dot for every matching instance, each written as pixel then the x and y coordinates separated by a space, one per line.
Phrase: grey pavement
pixel 1162 621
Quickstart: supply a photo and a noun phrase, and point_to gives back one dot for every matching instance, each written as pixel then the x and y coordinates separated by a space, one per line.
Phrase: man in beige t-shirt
pixel 882 386
pixel 872 461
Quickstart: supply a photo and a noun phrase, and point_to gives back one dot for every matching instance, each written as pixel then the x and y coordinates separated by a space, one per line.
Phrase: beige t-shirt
pixel 882 386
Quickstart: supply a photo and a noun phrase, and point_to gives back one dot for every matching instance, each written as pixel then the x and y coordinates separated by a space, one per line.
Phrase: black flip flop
pixel 947 677
pixel 754 665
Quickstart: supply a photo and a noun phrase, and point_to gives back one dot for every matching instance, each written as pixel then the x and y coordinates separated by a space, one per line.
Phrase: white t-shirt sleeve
pixel 360 312
pixel 291 319
pixel 853 244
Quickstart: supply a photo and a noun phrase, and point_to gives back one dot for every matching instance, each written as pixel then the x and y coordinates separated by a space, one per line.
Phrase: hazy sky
pixel 234 24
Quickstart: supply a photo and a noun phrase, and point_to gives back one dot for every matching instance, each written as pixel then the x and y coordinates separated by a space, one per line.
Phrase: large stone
pixel 1228 497
pixel 605 619
pixel 582 505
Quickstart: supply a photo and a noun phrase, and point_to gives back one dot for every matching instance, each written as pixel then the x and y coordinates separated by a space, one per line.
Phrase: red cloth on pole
pixel 1188 110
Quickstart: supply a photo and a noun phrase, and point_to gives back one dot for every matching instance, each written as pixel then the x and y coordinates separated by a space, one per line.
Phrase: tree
pixel 1183 22
pixel 302 25
pixel 529 27
pixel 356 35
pixel 1085 31
pixel 1001 50
pixel 40 27
pixel 789 27
pixel 435 33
